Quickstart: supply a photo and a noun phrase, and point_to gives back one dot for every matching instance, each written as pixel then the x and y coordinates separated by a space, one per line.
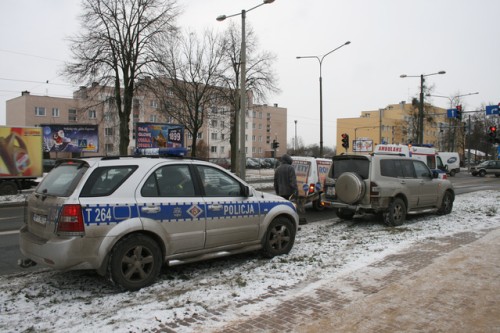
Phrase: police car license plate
pixel 330 191
pixel 40 219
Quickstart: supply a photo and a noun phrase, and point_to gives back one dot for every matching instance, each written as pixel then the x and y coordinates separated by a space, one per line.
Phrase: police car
pixel 127 216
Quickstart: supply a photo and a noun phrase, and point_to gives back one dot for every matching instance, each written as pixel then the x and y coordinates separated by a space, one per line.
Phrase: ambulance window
pixel 431 161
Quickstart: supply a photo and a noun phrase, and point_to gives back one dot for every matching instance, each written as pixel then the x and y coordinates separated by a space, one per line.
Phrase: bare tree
pixel 190 79
pixel 260 78
pixel 118 42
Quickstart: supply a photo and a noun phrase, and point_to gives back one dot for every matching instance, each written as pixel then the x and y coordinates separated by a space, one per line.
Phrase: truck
pixel 21 158
pixel 451 161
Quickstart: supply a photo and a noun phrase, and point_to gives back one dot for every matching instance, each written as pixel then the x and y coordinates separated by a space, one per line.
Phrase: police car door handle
pixel 215 207
pixel 154 209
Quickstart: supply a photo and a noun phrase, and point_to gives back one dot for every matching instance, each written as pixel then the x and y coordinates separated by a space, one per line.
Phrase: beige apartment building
pixel 95 105
pixel 396 123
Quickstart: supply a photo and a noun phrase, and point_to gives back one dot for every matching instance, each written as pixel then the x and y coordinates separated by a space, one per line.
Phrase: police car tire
pixel 279 237
pixel 131 255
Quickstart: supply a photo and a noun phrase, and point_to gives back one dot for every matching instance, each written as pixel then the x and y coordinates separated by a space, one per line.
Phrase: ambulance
pixel 427 154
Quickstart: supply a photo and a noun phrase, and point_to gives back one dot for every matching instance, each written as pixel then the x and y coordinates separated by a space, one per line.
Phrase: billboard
pixel 154 135
pixel 362 146
pixel 20 151
pixel 70 138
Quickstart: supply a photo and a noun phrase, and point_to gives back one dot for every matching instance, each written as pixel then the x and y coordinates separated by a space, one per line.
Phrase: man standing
pixel 285 181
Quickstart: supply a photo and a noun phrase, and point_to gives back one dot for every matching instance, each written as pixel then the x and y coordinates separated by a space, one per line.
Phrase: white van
pixel 451 161
pixel 428 155
pixel 311 173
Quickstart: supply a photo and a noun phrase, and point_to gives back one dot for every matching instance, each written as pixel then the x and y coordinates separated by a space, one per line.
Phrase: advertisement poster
pixel 323 169
pixel 302 172
pixel 20 151
pixel 70 138
pixel 363 146
pixel 153 135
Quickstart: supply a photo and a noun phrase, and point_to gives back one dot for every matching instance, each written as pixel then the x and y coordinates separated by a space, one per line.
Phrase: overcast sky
pixel 388 38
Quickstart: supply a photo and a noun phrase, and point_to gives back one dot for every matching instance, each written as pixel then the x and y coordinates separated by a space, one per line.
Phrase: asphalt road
pixel 11 220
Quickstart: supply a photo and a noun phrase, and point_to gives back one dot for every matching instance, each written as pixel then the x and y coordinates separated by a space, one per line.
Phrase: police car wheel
pixel 279 237
pixel 135 262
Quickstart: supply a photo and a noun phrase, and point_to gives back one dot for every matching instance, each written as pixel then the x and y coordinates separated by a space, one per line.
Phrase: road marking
pixel 10 232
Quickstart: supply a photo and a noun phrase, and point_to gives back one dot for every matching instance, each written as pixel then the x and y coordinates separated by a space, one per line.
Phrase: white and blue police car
pixel 126 217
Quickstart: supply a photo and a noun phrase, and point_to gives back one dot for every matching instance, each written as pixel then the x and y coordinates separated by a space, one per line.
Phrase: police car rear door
pixel 168 200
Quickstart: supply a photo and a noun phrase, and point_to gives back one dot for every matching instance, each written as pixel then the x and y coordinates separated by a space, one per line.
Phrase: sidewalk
pixel 449 284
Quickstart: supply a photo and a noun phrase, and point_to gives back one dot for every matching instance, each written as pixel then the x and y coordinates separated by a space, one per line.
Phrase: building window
pixel 154 104
pixel 39 111
pixel 55 112
pixel 222 136
pixel 222 124
pixel 253 138
pixel 92 114
pixel 108 147
pixel 260 115
pixel 213 149
pixel 214 136
pixel 213 123
pixel 71 115
pixel 153 118
pixel 222 149
pixel 108 131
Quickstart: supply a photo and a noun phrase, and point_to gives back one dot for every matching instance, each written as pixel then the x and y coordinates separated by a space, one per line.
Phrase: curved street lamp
pixel 420 130
pixel 240 115
pixel 320 60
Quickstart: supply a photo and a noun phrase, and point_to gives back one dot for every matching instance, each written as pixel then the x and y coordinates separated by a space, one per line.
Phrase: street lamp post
pixel 240 115
pixel 295 142
pixel 320 60
pixel 420 127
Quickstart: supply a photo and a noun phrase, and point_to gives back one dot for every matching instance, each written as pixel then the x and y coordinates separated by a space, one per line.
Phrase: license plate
pixel 40 219
pixel 330 191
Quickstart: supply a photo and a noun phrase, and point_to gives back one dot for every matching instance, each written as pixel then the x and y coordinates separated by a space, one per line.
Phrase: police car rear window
pixel 105 180
pixel 61 181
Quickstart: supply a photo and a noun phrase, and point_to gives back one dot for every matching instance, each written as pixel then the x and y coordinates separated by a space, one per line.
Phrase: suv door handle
pixel 215 207
pixel 151 210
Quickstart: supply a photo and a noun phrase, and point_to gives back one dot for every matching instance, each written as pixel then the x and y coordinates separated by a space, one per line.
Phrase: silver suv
pixel 385 185
pixel 486 168
pixel 126 216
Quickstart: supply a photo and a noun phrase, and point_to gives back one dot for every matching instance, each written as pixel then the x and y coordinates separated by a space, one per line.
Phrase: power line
pixel 31 55
pixel 41 82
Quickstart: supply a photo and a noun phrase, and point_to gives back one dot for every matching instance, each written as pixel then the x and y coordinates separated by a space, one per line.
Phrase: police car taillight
pixel 70 220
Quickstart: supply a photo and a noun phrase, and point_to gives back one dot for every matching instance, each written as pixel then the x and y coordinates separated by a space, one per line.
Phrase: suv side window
pixel 169 181
pixel 105 180
pixel 422 170
pixel 397 169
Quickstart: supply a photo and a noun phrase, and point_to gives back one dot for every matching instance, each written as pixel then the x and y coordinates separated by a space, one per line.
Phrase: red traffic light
pixel 493 129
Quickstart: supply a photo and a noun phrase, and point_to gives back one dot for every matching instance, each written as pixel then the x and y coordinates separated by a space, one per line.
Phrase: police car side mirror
pixel 246 191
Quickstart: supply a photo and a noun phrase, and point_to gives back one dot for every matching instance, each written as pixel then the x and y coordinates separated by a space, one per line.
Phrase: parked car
pixel 486 168
pixel 386 185
pixel 127 216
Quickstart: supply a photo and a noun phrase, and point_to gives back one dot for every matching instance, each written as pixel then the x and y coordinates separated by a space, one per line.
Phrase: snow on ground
pixel 82 301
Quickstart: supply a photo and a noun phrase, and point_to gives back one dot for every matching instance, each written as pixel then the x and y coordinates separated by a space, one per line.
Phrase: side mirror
pixel 246 191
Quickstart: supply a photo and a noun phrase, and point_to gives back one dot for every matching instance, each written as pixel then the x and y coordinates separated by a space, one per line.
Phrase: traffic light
pixel 345 140
pixel 492 134
pixel 275 144
pixel 459 112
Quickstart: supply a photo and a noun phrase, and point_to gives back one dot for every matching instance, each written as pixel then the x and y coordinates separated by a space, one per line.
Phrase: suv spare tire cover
pixel 349 187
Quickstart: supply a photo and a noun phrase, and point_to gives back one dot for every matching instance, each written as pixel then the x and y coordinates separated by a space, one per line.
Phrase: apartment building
pixel 95 106
pixel 396 123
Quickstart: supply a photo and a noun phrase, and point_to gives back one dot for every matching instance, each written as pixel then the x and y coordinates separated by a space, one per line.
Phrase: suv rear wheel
pixel 446 204
pixel 344 214
pixel 396 213
pixel 135 262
